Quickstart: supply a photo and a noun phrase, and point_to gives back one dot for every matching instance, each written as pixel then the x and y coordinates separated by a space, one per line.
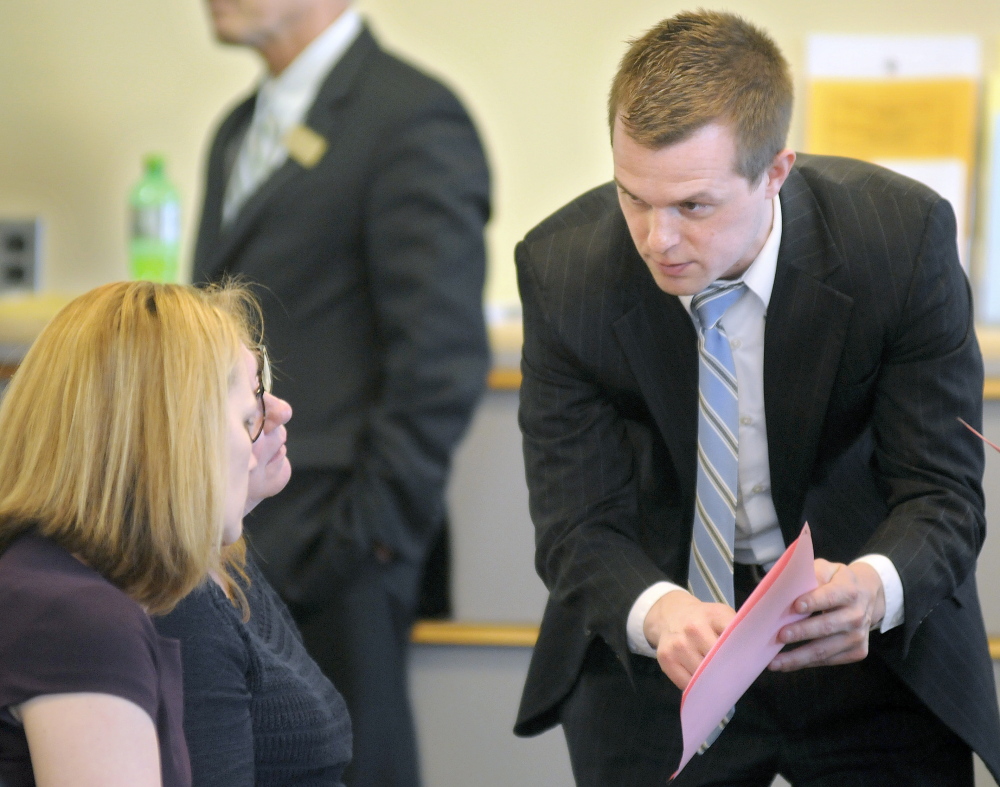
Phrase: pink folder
pixel 747 645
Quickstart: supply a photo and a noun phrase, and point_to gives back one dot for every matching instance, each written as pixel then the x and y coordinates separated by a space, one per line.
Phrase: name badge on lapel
pixel 305 146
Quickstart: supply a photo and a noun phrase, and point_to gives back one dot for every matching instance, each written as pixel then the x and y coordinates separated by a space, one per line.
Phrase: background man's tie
pixel 260 154
pixel 710 576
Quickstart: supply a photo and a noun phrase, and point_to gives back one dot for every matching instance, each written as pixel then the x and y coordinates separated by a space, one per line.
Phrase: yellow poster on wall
pixel 909 103
pixel 910 119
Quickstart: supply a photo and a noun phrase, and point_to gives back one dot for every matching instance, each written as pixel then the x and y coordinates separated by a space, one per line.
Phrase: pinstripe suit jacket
pixel 870 356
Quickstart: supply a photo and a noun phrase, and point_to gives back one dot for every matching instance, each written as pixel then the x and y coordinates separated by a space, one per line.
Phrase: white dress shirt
pixel 758 536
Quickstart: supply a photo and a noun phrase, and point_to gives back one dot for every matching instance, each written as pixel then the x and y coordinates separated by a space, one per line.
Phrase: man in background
pixel 729 341
pixel 354 190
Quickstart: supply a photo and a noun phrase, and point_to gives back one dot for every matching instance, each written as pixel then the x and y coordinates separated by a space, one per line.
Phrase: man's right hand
pixel 683 630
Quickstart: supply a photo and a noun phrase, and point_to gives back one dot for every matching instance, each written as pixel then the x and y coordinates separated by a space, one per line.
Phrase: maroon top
pixel 64 628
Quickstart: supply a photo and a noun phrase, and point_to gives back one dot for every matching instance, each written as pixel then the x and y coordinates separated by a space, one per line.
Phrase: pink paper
pixel 747 645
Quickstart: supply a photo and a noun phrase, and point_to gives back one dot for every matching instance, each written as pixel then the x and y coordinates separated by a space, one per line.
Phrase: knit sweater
pixel 257 709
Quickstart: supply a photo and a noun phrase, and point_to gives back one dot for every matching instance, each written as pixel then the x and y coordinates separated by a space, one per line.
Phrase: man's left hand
pixel 843 609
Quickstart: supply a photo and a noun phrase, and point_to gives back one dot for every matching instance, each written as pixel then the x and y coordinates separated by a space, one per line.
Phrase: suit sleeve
pixel 426 208
pixel 583 464
pixel 929 466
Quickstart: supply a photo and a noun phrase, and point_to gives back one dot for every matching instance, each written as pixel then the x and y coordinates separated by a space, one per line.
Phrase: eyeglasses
pixel 263 387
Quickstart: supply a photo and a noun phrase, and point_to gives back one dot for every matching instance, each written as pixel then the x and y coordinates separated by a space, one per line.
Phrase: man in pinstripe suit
pixel 855 354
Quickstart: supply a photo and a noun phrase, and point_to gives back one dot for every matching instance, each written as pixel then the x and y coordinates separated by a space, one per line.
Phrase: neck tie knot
pixel 710 304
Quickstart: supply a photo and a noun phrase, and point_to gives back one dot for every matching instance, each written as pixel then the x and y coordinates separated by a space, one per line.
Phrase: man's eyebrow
pixel 699 196
pixel 621 186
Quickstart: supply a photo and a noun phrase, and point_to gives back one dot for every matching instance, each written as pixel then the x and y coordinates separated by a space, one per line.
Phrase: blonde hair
pixel 115 433
pixel 705 67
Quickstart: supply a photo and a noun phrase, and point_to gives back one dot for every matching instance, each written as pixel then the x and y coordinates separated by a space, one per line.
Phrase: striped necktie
pixel 710 576
pixel 261 152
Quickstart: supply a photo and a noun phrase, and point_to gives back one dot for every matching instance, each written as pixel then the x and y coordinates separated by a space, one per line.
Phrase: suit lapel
pixel 659 341
pixel 326 117
pixel 807 321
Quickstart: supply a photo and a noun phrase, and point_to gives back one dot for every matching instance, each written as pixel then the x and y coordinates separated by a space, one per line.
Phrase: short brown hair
pixel 705 67
pixel 115 433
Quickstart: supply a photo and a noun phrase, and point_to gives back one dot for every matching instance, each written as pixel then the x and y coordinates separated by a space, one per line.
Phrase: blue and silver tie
pixel 710 576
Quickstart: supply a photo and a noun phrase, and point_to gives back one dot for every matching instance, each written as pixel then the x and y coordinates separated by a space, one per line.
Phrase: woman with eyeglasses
pixel 258 712
pixel 124 469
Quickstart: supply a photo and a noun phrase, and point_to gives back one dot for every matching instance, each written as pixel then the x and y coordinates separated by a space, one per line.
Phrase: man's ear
pixel 775 175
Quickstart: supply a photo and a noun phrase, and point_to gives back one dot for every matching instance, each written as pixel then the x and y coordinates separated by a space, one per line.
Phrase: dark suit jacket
pixel 870 357
pixel 371 265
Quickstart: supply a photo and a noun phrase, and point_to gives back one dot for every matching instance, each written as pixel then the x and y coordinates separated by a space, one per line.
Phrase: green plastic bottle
pixel 155 227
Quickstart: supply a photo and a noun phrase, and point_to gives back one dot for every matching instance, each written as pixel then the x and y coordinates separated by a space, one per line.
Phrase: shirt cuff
pixel 892 589
pixel 637 642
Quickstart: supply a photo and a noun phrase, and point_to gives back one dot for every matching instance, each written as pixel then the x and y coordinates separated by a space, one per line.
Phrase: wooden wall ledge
pixel 489 635
pixel 510 380
pixel 507 635
pixel 504 379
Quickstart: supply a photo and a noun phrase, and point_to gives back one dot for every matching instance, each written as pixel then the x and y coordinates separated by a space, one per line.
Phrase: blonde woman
pixel 126 450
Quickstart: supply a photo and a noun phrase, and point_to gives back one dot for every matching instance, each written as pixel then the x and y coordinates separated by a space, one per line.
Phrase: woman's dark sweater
pixel 257 709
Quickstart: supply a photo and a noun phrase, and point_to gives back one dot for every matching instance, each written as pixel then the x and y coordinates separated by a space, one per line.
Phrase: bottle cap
pixel 153 163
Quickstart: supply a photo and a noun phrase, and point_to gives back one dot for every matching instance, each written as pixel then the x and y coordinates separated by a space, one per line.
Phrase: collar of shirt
pixel 759 277
pixel 289 95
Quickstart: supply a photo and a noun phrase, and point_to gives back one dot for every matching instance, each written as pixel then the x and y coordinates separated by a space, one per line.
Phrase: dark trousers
pixel 359 639
pixel 854 725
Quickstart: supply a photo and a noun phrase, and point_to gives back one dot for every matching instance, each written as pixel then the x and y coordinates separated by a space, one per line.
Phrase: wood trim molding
pixel 512 635
pixel 510 380
pixel 498 380
pixel 457 632
pixel 504 379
